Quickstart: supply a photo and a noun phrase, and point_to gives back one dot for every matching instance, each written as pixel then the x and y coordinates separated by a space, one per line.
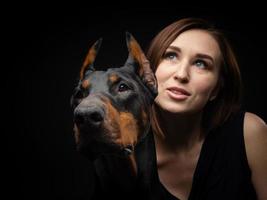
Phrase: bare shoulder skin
pixel 255 134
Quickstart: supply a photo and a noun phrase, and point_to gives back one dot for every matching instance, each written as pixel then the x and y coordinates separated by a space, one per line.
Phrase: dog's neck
pixel 130 152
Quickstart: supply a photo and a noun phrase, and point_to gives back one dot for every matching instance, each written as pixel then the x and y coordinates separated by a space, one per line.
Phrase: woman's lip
pixel 178 91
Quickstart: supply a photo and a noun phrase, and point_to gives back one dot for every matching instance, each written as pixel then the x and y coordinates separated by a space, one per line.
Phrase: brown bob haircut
pixel 228 99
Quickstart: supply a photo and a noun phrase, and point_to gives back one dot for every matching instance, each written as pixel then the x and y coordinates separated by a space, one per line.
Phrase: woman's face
pixel 188 72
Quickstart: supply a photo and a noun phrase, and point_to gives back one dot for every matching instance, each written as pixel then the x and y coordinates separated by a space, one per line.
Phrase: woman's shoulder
pixel 255 135
pixel 254 126
pixel 255 132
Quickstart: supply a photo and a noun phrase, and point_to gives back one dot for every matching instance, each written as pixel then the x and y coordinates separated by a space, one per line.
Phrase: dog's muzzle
pixel 90 116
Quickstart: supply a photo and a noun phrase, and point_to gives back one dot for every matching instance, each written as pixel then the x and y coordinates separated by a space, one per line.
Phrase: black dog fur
pixel 112 122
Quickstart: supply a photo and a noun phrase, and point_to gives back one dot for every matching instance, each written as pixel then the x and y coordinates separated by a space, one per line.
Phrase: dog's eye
pixel 123 87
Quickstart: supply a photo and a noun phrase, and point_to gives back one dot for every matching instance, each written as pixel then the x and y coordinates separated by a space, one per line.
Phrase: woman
pixel 206 146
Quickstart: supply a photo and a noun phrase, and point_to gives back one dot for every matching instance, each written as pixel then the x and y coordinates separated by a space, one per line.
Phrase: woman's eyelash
pixel 203 63
pixel 170 55
pixel 173 56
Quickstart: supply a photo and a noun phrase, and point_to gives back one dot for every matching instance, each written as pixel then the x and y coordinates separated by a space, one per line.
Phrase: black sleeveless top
pixel 222 171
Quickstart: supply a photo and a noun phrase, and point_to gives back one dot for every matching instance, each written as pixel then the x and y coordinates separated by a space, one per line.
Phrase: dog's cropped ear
pixel 138 60
pixel 88 63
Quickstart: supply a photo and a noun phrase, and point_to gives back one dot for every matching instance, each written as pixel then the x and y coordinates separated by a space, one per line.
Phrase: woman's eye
pixel 170 55
pixel 123 87
pixel 201 64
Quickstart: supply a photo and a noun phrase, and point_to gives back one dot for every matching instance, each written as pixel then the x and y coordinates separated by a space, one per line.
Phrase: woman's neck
pixel 180 131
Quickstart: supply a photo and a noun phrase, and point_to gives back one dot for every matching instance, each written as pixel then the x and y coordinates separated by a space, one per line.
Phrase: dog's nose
pixel 88 116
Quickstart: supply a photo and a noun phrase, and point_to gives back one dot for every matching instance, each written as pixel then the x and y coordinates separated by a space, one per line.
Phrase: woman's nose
pixel 182 72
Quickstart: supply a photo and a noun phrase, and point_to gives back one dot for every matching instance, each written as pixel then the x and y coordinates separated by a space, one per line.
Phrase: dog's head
pixel 111 108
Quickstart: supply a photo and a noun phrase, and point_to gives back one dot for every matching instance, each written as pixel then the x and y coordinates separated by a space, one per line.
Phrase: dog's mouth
pixel 94 148
pixel 106 130
pixel 95 142
pixel 111 136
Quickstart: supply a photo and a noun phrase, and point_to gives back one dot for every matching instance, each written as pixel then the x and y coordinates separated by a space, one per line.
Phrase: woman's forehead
pixel 198 42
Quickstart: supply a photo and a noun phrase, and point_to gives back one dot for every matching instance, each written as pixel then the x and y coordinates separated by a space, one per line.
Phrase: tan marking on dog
pixel 76 134
pixel 111 122
pixel 133 164
pixel 144 69
pixel 144 117
pixel 113 78
pixel 90 58
pixel 128 129
pixel 136 52
pixel 85 84
pixel 121 126
pixel 122 129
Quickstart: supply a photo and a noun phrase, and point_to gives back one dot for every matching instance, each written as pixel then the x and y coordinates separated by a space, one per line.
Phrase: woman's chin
pixel 175 109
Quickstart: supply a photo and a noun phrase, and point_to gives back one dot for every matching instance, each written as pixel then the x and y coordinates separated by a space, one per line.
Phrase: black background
pixel 45 48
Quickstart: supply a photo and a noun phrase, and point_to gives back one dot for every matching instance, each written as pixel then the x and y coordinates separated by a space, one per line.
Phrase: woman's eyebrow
pixel 198 55
pixel 174 48
pixel 205 56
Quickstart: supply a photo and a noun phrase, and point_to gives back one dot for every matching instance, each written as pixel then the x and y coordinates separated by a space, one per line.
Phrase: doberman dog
pixel 112 117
